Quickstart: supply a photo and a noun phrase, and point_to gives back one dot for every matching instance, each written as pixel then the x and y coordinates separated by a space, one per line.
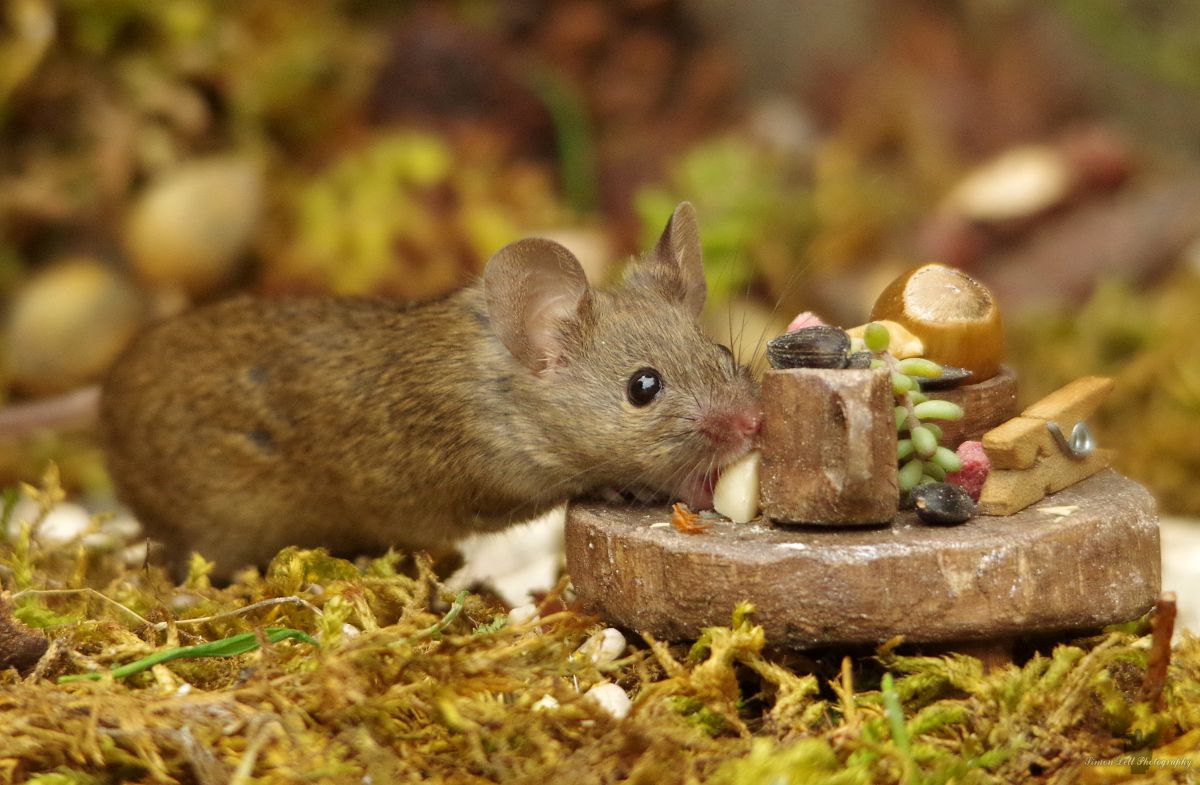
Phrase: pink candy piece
pixel 975 468
pixel 806 319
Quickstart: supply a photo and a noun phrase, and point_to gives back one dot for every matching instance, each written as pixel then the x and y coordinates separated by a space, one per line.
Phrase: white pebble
pixel 122 526
pixel 603 647
pixel 64 523
pixel 521 614
pixel 612 699
pixel 100 542
pixel 546 703
pixel 135 555
pixel 184 689
pixel 350 631
pixel 736 495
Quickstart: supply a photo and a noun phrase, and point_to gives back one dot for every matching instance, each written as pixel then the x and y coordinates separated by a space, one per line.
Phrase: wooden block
pixel 1086 558
pixel 829 447
pixel 985 405
pixel 1018 443
pixel 1073 402
pixel 1008 491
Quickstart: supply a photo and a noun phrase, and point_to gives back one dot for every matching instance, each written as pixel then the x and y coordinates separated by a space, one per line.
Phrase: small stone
pixel 521 614
pixel 62 525
pixel 546 703
pixel 604 647
pixel 612 699
pixel 820 346
pixel 122 526
pixel 135 555
pixel 943 504
pixel 100 542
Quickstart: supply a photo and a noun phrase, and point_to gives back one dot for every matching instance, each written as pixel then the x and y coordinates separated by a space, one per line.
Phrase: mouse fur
pixel 358 424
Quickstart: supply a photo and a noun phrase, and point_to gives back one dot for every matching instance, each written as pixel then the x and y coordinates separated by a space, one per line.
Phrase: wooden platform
pixel 1080 559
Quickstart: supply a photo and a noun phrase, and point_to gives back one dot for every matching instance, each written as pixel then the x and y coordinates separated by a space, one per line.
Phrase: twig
pixel 1162 627
pixel 88 591
pixel 162 625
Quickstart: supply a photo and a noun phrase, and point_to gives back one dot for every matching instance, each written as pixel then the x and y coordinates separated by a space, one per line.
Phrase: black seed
pixel 943 504
pixel 951 377
pixel 809 347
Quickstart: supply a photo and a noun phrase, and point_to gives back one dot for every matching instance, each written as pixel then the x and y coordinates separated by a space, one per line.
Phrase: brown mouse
pixel 252 424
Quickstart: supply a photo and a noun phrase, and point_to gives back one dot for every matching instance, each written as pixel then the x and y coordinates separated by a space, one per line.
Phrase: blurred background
pixel 156 154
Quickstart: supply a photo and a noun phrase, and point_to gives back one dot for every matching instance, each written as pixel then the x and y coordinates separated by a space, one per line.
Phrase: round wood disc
pixel 1083 558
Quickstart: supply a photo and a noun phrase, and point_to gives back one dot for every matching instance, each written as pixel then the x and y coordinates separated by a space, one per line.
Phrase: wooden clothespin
pixel 1029 460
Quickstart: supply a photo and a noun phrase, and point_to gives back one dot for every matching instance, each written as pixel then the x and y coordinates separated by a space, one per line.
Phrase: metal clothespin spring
pixel 1081 443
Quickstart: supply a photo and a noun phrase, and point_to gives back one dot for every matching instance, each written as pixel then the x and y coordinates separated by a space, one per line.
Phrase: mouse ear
pixel 675 266
pixel 535 291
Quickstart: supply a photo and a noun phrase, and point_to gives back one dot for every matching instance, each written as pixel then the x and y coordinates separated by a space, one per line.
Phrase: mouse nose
pixel 748 423
pixel 731 427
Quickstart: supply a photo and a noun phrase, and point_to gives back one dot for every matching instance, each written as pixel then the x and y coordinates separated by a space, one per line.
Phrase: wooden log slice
pixel 1080 559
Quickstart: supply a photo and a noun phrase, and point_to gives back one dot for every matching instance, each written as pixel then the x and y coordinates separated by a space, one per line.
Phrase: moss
pixel 411 684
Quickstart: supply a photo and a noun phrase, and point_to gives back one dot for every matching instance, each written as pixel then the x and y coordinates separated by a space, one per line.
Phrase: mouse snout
pixel 731 427
pixel 746 424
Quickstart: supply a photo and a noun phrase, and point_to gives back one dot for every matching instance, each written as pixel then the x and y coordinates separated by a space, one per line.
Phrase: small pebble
pixel 135 555
pixel 943 504
pixel 546 703
pixel 612 699
pixel 604 647
pixel 122 526
pixel 521 614
pixel 99 542
pixel 64 523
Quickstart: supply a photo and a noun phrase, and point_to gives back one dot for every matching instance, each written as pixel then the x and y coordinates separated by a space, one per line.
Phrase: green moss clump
pixel 411 685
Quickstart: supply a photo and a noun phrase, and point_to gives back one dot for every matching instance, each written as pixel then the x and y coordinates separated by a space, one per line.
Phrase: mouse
pixel 359 424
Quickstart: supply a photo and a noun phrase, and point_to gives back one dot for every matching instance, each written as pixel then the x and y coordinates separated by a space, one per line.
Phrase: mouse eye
pixel 644 386
pixel 725 350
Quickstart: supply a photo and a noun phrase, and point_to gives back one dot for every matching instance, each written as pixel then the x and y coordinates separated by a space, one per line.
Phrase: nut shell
pixel 954 315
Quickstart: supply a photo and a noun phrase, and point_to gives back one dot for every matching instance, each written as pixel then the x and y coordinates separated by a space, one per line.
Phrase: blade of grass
pixel 225 647
pixel 895 718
